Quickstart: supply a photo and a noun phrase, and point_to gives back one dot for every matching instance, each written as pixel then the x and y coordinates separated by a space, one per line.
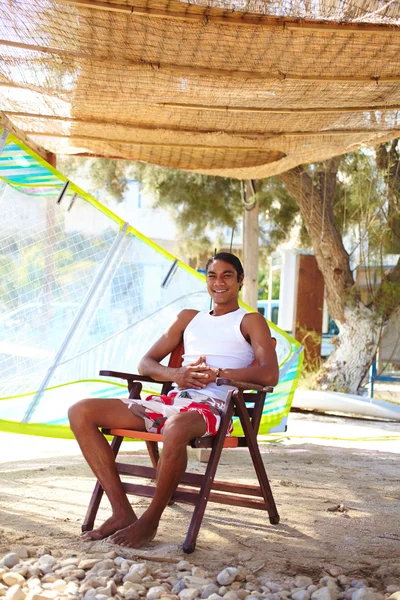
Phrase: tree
pixel 201 205
pixel 109 176
pixel 351 196
pixel 318 191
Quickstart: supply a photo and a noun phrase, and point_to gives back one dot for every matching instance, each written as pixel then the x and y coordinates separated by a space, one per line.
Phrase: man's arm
pixel 255 329
pixel 195 375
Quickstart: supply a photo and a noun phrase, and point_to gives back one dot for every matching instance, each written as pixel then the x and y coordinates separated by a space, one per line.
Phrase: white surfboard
pixel 348 404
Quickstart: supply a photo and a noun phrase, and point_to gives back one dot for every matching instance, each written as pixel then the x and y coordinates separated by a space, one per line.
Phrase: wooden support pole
pixel 198 71
pixel 309 305
pixel 153 144
pixel 250 244
pixel 201 107
pixel 313 110
pixel 263 137
pixel 21 135
pixel 235 18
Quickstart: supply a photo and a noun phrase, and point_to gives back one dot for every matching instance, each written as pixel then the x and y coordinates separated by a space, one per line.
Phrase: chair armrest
pixel 130 376
pixel 244 385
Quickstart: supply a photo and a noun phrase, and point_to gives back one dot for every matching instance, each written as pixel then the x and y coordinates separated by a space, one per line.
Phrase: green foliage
pixel 388 161
pixel 388 298
pixel 196 203
pixel 361 203
pixel 360 194
pixel 278 212
pixel 263 284
pixel 101 174
pixel 200 205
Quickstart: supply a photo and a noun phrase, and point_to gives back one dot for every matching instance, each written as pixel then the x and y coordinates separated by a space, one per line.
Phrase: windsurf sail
pixel 82 290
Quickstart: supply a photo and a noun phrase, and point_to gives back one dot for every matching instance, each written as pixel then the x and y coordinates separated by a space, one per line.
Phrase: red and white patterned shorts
pixel 155 410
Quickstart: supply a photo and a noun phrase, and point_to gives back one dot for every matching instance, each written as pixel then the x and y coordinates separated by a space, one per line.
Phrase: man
pixel 223 343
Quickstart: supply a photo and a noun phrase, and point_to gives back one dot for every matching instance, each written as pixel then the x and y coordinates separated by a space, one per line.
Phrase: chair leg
pixel 152 449
pixel 251 438
pixel 88 522
pixel 208 480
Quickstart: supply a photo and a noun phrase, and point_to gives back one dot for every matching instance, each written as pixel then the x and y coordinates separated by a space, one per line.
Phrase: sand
pixel 328 462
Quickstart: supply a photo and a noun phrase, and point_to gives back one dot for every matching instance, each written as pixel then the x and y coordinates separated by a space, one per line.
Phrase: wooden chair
pixel 248 407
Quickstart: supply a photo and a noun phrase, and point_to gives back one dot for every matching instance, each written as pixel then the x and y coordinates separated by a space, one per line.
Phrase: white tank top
pixel 220 340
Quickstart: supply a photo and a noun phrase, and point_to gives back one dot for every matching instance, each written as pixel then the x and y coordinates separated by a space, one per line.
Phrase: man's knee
pixel 173 431
pixel 80 412
pixel 183 427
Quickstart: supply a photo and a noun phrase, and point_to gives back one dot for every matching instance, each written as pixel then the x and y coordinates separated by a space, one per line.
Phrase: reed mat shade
pixel 236 88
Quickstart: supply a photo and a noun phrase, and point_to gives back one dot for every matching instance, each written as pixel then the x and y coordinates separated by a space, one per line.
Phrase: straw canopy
pixel 236 88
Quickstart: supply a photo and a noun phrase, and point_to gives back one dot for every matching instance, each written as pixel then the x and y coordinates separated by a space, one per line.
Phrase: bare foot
pixel 113 524
pixel 136 535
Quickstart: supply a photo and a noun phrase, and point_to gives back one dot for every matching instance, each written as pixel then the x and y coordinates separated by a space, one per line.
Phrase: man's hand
pixel 196 375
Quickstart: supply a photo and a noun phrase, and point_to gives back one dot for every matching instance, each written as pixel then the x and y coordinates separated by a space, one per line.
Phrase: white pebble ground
pixel 30 573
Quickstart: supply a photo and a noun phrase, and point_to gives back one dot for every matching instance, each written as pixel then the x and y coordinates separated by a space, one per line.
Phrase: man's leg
pixel 85 419
pixel 178 431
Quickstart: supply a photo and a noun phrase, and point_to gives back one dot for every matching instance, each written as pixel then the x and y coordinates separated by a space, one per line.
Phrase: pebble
pixel 312 588
pixel 302 581
pixel 46 560
pixel 323 593
pixel 133 577
pixel 189 594
pixel 196 581
pixel 88 563
pixel 227 576
pixel 274 587
pixel 15 593
pixel 358 583
pixel 184 565
pixel 208 590
pixel 251 587
pixel 131 595
pixel 155 592
pixel 364 593
pixel 199 572
pixel 178 587
pixel 230 595
pixel 42 574
pixel 10 560
pixel 300 594
pixel 22 551
pixel 12 578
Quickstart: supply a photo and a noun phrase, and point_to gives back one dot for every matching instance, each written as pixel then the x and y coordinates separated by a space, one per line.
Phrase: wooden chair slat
pixel 191 479
pixel 189 497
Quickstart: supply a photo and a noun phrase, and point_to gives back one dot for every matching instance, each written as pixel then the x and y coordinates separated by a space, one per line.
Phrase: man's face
pixel 222 282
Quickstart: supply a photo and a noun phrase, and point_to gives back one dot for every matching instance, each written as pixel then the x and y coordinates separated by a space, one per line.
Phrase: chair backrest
pixel 176 357
pixel 254 400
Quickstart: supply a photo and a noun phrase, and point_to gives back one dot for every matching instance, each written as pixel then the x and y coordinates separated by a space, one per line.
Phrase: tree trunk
pixel 250 245
pixel 359 328
pixel 348 365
